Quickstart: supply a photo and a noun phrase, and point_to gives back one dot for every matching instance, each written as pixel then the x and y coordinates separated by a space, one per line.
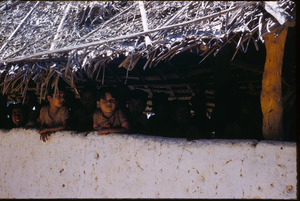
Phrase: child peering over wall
pixel 32 108
pixel 3 111
pixel 18 116
pixel 54 116
pixel 136 105
pixel 109 119
pixel 82 118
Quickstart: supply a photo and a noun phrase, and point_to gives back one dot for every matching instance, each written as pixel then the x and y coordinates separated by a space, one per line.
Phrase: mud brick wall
pixel 72 165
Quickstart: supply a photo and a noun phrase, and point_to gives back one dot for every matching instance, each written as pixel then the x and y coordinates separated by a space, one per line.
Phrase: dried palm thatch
pixel 48 40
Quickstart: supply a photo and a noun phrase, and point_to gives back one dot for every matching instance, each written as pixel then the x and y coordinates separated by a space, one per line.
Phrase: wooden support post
pixel 271 94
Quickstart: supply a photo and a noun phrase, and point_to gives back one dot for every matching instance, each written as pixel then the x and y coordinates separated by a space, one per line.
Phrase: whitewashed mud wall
pixel 135 166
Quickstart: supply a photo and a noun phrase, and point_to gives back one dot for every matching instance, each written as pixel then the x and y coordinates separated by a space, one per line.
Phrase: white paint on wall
pixel 71 165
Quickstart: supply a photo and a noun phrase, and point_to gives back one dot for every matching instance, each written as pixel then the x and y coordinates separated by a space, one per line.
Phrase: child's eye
pixel 110 101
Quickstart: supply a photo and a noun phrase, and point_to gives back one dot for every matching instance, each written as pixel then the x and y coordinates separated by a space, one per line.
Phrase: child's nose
pixel 18 115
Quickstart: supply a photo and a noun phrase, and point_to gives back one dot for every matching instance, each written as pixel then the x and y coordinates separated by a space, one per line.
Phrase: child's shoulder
pixel 44 108
pixel 64 109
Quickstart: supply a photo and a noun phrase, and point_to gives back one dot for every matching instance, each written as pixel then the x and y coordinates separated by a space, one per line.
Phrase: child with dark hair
pixel 32 108
pixel 53 117
pixel 109 119
pixel 161 117
pixel 136 105
pixel 3 111
pixel 82 118
pixel 181 117
pixel 18 115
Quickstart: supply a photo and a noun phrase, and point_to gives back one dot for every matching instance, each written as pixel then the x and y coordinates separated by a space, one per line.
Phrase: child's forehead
pixel 17 109
pixel 107 95
pixel 87 93
pixel 60 93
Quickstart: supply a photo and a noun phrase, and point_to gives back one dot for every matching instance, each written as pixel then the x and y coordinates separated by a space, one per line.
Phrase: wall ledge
pixel 72 165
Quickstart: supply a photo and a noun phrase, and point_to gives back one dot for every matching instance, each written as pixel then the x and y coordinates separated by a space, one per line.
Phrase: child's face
pixel 17 116
pixel 58 101
pixel 108 105
pixel 88 100
pixel 135 106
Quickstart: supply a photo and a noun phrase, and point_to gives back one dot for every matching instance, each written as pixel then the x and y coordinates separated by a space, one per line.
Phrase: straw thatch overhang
pixel 158 46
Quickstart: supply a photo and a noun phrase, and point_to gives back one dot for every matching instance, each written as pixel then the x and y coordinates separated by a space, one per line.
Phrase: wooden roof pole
pixel 19 26
pixel 59 29
pixel 271 94
pixel 120 38
pixel 145 23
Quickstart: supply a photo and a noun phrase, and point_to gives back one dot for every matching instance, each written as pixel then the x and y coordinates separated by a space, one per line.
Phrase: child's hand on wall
pixel 44 136
pixel 42 131
pixel 104 131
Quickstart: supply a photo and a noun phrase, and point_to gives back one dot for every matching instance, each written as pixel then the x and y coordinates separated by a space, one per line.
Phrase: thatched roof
pixel 44 41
